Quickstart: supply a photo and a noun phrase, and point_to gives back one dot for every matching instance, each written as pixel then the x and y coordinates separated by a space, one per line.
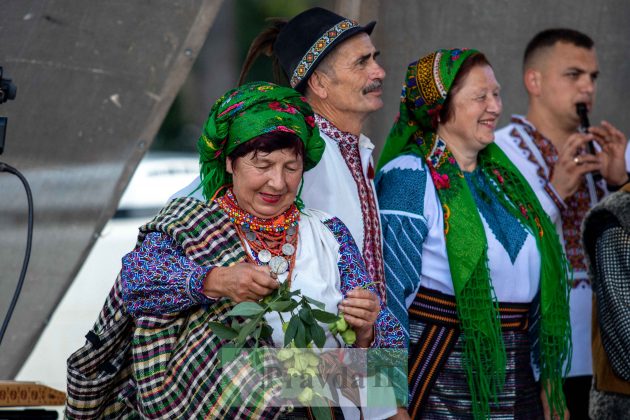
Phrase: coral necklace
pixel 272 241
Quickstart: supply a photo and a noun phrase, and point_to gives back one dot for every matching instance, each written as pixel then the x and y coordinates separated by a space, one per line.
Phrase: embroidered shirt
pixel 535 157
pixel 157 277
pixel 349 147
pixel 415 245
pixel 574 208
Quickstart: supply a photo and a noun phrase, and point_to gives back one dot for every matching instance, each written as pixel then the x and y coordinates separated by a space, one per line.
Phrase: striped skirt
pixel 437 376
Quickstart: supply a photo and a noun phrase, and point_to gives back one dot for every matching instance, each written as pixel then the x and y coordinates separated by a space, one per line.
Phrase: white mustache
pixel 375 85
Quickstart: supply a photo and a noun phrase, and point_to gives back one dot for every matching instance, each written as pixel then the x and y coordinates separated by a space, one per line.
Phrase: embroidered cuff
pixel 194 285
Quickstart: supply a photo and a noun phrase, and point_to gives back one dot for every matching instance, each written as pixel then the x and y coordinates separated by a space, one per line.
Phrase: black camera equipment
pixel 7 92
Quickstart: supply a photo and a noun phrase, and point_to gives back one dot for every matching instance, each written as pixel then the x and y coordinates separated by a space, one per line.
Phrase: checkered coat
pixel 168 366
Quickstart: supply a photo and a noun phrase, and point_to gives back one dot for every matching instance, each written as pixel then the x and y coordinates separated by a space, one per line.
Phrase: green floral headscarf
pixel 426 88
pixel 245 113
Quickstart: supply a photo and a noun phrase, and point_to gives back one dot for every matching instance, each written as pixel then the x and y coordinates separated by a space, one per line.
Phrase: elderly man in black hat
pixel 332 61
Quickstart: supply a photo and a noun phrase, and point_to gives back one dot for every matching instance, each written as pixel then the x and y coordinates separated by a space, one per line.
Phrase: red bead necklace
pixel 273 241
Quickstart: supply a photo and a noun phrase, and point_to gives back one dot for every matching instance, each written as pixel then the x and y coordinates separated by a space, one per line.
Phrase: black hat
pixel 306 39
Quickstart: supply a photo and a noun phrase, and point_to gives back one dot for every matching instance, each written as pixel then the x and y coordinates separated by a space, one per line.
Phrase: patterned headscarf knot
pixel 245 113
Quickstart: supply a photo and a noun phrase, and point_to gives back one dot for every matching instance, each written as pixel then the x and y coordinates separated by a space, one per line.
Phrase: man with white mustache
pixel 559 71
pixel 332 61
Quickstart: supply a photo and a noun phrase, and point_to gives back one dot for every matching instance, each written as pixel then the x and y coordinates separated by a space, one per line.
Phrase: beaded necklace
pixel 272 241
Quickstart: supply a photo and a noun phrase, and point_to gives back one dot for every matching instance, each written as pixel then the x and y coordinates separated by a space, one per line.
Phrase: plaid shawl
pixel 169 366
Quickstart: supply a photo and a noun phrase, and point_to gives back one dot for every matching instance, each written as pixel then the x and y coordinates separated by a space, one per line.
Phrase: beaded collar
pixel 242 218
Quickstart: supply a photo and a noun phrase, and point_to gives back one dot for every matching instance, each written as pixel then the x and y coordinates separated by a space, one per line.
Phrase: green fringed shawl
pixel 467 248
pixel 427 83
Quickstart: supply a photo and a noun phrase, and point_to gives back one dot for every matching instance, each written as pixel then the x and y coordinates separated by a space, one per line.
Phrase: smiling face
pixel 352 78
pixel 475 110
pixel 564 76
pixel 266 184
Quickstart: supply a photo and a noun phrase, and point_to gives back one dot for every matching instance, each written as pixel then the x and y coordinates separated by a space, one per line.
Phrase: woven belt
pixel 439 314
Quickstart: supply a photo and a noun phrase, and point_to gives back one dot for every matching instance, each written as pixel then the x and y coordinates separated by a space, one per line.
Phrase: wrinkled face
pixel 567 76
pixel 265 184
pixel 355 85
pixel 476 109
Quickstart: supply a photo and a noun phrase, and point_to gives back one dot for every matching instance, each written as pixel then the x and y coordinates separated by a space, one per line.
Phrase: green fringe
pixel 555 326
pixel 485 357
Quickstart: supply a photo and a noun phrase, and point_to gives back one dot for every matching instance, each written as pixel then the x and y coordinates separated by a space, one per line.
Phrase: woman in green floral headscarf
pixel 475 271
pixel 196 259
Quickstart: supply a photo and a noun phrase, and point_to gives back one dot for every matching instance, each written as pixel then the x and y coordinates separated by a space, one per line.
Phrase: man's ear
pixel 318 84
pixel 228 166
pixel 533 82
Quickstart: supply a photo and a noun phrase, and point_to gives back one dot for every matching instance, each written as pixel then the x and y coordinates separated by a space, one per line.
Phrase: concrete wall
pixel 501 29
pixel 95 80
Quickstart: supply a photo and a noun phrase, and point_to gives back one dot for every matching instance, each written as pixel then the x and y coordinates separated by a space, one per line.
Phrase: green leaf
pixel 318 334
pixel 291 330
pixel 294 304
pixel 306 315
pixel 319 412
pixel 247 329
pixel 281 305
pixel 246 309
pixel 228 353
pixel 222 331
pixel 300 335
pixel 323 316
pixel 317 303
pixel 283 289
pixel 257 332
pixel 266 331
pixel 293 293
pixel 307 334
pixel 255 358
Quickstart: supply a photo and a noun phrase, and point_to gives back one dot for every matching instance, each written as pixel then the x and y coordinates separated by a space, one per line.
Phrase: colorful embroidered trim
pixel 372 248
pixel 428 78
pixel 313 53
pixel 574 208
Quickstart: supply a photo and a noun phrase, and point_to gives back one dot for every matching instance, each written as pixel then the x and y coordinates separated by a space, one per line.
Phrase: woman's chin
pixel 485 141
pixel 269 210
